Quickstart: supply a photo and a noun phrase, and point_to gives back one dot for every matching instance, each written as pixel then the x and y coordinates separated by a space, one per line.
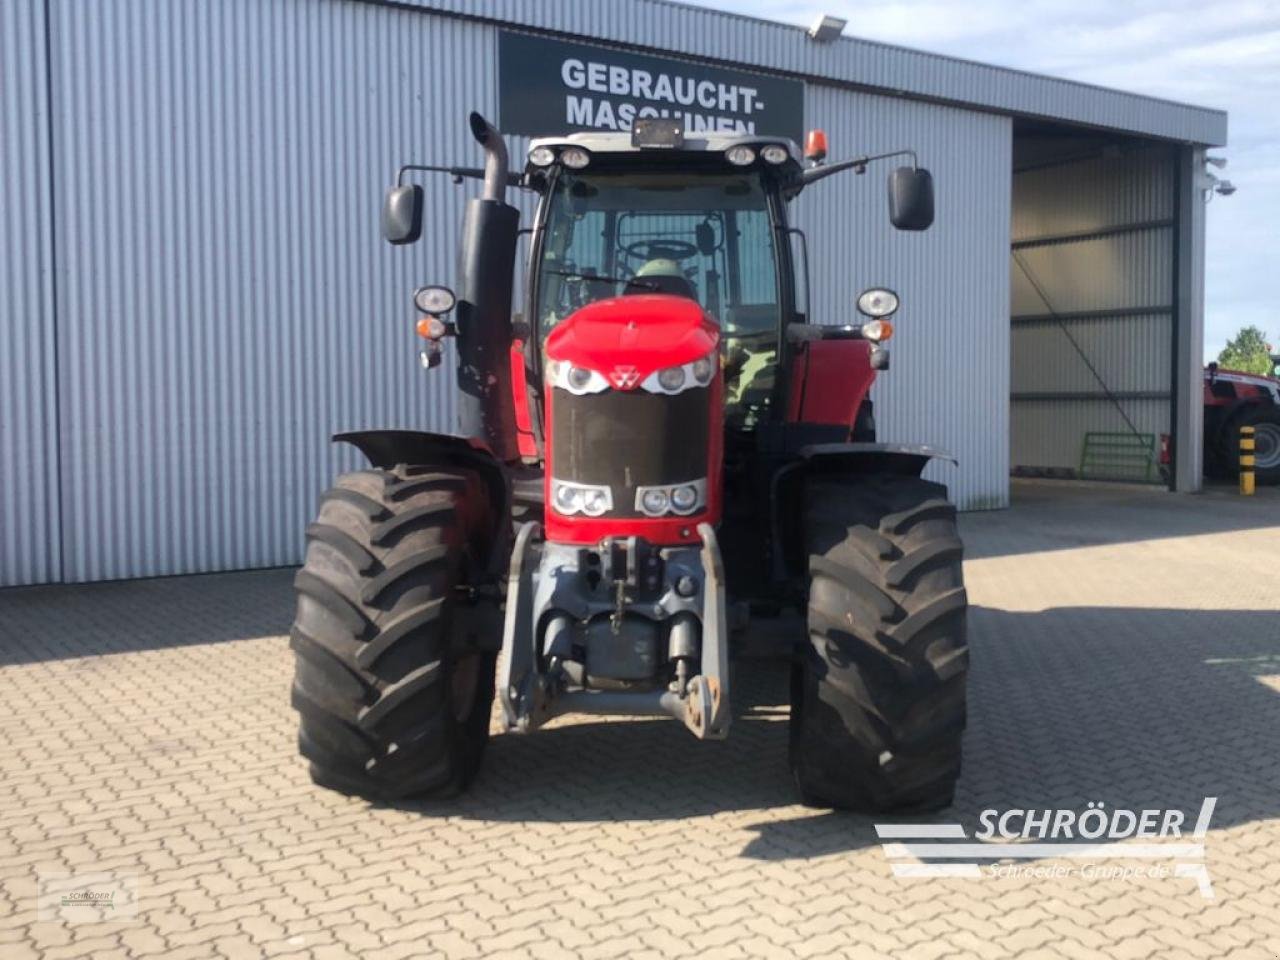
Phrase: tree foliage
pixel 1248 351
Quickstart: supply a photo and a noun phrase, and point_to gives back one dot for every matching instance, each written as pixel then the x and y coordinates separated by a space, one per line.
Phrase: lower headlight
pixel 654 501
pixel 570 498
pixel 594 502
pixel 684 497
pixel 740 156
pixel 681 499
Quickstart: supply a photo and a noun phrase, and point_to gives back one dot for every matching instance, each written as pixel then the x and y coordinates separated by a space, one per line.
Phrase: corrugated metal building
pixel 195 293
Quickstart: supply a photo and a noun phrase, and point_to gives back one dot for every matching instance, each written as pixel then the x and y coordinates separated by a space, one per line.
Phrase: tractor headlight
pixel 542 156
pixel 678 498
pixel 434 300
pixel 594 502
pixel 704 369
pixel 878 302
pixel 671 379
pixel 577 380
pixel 653 501
pixel 774 153
pixel 697 373
pixel 578 377
pixel 684 497
pixel 570 498
pixel 575 158
pixel 740 156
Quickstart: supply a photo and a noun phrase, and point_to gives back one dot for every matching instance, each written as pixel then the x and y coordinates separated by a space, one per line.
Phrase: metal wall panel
pixel 1048 433
pixel 229 301
pixel 738 39
pixel 28 467
pixel 949 382
pixel 1133 355
pixel 1188 442
pixel 1124 283
pixel 226 302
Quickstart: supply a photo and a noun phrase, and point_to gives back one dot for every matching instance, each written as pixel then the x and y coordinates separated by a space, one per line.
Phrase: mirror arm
pixel 472 173
pixel 859 164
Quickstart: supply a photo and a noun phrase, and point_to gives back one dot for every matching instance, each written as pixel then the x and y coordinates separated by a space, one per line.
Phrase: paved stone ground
pixel 1126 649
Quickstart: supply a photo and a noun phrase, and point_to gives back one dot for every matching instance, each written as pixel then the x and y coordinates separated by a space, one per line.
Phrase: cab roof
pixel 618 146
pixel 701 153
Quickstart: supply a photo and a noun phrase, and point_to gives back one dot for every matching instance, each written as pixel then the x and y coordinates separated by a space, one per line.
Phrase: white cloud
pixel 1224 55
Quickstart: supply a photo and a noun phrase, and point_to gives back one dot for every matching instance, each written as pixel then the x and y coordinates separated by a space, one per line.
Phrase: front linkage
pixel 602 615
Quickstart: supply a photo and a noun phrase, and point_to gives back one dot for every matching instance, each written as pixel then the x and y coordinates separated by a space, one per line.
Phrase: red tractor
pixel 1235 399
pixel 661 446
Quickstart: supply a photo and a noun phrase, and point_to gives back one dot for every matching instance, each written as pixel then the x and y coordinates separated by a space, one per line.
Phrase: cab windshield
pixel 708 237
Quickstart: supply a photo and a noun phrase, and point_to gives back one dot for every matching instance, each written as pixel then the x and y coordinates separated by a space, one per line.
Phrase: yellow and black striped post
pixel 1246 461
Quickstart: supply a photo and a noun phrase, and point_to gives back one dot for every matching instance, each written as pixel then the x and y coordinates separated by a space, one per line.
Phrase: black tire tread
pixel 372 637
pixel 878 695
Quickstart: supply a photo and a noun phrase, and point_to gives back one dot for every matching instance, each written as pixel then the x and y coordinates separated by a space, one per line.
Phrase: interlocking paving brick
pixel 1126 649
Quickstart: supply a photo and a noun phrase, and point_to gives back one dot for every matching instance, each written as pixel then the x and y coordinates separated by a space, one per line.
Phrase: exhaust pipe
pixel 495 157
pixel 486 261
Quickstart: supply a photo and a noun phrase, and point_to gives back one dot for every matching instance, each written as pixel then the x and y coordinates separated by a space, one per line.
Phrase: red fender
pixel 829 381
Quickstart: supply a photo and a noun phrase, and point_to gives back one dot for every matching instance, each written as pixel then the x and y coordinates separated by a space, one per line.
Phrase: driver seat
pixel 661 275
pixel 679 286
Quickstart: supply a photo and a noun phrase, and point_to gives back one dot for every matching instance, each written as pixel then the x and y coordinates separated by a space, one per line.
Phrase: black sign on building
pixel 550 86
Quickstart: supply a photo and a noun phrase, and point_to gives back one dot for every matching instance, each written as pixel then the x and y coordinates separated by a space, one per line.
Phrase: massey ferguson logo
pixel 624 377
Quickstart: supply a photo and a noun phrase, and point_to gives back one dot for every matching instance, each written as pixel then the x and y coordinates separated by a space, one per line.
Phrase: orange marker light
pixel 430 328
pixel 815 146
pixel 877 331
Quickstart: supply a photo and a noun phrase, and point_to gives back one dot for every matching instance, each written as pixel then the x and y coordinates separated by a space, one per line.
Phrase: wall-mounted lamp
pixel 826 28
pixel 1215 184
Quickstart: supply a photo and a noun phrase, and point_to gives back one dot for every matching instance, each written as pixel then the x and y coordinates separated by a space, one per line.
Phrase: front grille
pixel 629 439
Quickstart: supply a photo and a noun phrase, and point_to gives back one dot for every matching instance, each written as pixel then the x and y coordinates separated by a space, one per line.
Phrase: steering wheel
pixel 654 249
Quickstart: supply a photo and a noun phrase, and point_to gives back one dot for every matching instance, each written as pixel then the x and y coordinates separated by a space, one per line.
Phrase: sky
pixel 1224 55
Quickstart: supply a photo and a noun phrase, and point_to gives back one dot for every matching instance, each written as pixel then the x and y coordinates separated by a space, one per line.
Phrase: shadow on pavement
pixel 1137 708
pixel 124 616
pixel 1049 515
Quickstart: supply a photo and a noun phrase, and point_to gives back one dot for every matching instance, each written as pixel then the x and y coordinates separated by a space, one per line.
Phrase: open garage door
pixel 1092 300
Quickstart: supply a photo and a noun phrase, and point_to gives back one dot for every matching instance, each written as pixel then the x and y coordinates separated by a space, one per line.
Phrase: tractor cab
pixel 623 215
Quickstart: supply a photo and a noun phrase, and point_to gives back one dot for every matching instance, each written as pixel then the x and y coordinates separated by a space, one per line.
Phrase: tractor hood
pixel 627 338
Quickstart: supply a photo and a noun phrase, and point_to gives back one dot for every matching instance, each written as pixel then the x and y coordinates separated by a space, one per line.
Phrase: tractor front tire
pixel 878 692
pixel 393 700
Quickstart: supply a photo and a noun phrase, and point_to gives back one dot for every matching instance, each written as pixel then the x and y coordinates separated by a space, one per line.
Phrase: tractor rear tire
pixel 1265 421
pixel 878 692
pixel 394 701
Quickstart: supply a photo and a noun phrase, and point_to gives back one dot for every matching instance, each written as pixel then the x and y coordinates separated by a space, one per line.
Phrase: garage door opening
pixel 1093 304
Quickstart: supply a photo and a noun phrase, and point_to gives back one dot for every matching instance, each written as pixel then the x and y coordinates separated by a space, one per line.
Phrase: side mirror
pixel 402 214
pixel 705 234
pixel 911 198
